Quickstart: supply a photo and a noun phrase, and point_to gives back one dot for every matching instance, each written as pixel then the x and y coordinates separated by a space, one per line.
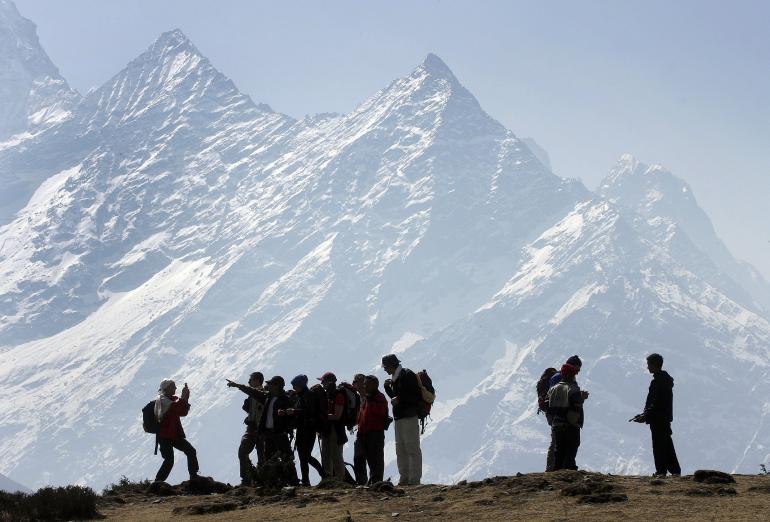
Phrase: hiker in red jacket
pixel 168 410
pixel 372 419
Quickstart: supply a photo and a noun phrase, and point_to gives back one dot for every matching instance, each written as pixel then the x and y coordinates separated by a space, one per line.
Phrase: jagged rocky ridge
pixel 169 226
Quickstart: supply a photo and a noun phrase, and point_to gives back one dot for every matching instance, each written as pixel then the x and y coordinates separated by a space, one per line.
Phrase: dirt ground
pixel 538 496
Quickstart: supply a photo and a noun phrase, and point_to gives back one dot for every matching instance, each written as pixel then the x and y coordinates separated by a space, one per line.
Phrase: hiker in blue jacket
pixel 574 361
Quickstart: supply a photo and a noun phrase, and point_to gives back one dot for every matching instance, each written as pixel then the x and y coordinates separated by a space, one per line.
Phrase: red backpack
pixel 542 388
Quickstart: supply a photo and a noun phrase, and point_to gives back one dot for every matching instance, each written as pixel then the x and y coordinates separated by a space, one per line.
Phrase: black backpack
pixel 149 421
pixel 352 404
pixel 542 389
pixel 318 405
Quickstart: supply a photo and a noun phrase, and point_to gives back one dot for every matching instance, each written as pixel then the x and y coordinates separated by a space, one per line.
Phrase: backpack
pixel 317 407
pixel 352 405
pixel 542 389
pixel 427 397
pixel 149 420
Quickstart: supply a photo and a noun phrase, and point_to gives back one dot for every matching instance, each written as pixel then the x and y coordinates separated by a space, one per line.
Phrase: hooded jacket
pixel 658 408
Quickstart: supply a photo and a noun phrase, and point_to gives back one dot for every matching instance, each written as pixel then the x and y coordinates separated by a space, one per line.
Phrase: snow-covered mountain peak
pixel 170 77
pixel 653 192
pixel 33 95
pixel 645 187
pixel 174 39
pixel 435 66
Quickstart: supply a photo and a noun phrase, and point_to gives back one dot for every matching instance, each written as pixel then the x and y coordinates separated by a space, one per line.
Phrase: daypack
pixel 149 420
pixel 352 405
pixel 427 397
pixel 318 407
pixel 542 389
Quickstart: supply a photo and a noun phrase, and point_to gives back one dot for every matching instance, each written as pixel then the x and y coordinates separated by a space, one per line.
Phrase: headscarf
pixel 163 403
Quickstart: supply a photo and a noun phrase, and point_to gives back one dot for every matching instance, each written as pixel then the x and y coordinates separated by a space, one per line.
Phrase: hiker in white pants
pixel 405 394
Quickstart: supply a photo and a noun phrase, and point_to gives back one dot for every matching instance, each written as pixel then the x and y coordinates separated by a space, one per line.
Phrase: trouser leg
pixel 260 444
pixel 375 455
pixel 328 440
pixel 573 443
pixel 415 452
pixel 402 457
pixel 408 452
pixel 248 443
pixel 359 459
pixel 305 443
pixel 185 447
pixel 338 460
pixel 282 447
pixel 663 449
pixel 559 447
pixel 167 452
pixel 549 458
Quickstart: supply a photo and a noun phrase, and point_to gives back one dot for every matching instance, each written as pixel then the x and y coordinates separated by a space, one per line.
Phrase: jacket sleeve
pixel 251 392
pixel 389 390
pixel 180 407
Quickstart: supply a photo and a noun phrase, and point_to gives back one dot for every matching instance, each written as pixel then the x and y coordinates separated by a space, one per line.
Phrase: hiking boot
pixel 245 482
pixel 659 475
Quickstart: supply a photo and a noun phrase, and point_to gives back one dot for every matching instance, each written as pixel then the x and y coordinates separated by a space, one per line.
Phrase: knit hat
pixel 299 380
pixel 575 361
pixel 165 383
pixel 568 371
pixel 328 376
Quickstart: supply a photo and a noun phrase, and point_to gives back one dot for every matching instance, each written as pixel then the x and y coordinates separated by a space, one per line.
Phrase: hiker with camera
pixel 658 413
pixel 168 410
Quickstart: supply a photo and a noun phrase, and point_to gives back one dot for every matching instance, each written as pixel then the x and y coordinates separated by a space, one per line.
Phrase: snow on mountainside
pixel 203 235
pixel 172 227
pixel 596 286
pixel 34 98
pixel 33 95
pixel 668 202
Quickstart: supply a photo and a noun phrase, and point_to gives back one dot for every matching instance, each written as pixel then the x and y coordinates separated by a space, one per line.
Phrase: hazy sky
pixel 681 83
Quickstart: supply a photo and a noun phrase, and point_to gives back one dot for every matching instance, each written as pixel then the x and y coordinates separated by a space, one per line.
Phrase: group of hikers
pixel 329 412
pixel 561 399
